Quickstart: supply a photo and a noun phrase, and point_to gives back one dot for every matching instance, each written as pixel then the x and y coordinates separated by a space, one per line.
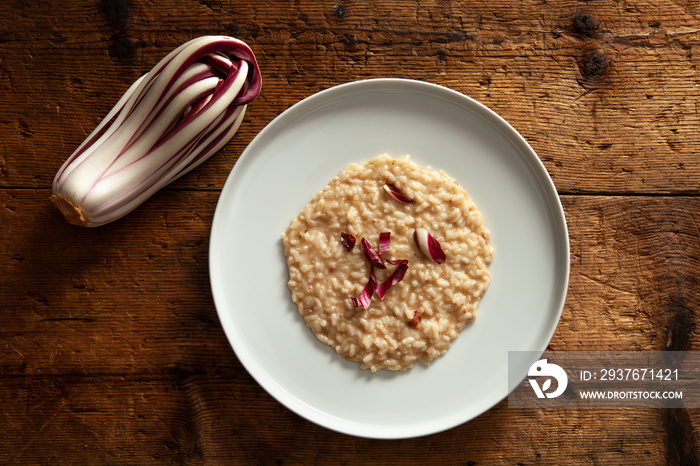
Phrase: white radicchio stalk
pixel 168 122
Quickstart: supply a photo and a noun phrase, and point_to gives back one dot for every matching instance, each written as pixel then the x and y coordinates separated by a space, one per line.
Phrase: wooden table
pixel 110 346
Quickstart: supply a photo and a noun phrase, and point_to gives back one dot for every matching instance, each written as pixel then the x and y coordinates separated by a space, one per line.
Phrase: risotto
pixel 374 231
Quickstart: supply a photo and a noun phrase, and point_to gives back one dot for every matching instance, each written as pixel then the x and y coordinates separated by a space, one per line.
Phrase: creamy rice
pixel 324 276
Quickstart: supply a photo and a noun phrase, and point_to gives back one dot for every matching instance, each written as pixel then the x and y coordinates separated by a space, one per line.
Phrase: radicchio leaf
pixel 394 278
pixel 375 260
pixel 384 242
pixel 365 297
pixel 372 256
pixel 429 246
pixel 348 241
pixel 396 193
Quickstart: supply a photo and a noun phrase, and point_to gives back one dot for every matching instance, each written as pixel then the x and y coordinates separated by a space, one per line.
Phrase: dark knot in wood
pixel 124 48
pixel 350 40
pixel 678 427
pixel 340 11
pixel 680 325
pixel 117 12
pixel 585 24
pixel 594 65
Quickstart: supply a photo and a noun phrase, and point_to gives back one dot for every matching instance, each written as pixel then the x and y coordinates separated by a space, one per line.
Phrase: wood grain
pixel 635 271
pixel 110 334
pixel 609 109
pixel 121 299
pixel 111 351
pixel 221 420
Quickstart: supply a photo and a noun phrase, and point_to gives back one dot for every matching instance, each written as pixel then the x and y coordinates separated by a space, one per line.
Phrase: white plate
pixel 296 155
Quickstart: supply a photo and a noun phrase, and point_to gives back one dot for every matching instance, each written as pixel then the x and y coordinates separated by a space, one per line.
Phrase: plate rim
pixel 556 214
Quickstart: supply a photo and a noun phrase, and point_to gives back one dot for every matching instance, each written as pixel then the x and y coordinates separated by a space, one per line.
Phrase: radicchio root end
pixel 396 193
pixel 428 245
